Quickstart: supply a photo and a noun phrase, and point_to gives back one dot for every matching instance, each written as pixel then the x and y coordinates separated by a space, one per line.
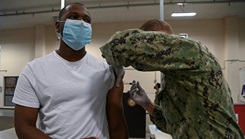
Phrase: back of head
pixel 156 25
pixel 158 85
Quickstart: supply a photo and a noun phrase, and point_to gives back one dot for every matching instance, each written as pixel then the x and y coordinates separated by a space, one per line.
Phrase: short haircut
pixel 156 25
pixel 158 85
pixel 62 11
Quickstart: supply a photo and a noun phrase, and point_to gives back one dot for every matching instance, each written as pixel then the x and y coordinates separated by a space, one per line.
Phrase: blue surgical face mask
pixel 77 33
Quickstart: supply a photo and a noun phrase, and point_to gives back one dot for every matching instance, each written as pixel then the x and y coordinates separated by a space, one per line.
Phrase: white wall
pixel 241 33
pixel 18 46
pixel 241 38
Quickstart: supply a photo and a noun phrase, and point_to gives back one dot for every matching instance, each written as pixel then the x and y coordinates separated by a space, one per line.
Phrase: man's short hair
pixel 156 25
pixel 62 11
pixel 158 85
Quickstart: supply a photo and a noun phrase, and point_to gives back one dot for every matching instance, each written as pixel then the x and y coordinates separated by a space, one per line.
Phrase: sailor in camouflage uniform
pixel 196 101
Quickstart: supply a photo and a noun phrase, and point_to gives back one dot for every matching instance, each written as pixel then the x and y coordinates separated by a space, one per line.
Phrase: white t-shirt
pixel 71 95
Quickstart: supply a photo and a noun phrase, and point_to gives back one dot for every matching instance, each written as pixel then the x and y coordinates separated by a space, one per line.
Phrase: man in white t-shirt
pixel 72 92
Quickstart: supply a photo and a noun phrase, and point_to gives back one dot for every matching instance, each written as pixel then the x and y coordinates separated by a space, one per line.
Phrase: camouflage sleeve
pixel 157 116
pixel 158 120
pixel 151 51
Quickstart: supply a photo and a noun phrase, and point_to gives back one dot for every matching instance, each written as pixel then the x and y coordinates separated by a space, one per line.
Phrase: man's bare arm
pixel 25 123
pixel 115 113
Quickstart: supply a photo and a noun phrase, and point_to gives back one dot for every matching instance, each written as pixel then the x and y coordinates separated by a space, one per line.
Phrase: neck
pixel 69 54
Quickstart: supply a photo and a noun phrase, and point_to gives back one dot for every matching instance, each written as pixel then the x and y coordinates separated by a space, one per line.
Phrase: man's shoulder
pixel 94 60
pixel 38 59
pixel 41 61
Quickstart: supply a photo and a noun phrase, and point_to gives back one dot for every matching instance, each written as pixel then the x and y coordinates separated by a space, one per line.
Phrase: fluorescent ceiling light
pixel 183 14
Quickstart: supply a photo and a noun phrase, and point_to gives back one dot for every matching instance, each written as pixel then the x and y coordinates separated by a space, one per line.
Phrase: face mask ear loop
pixel 59 34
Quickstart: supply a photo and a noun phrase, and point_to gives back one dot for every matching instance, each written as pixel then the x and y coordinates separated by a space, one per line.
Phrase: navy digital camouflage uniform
pixel 196 101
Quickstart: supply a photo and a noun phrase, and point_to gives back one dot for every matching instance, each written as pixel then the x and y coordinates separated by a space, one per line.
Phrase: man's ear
pixel 57 27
